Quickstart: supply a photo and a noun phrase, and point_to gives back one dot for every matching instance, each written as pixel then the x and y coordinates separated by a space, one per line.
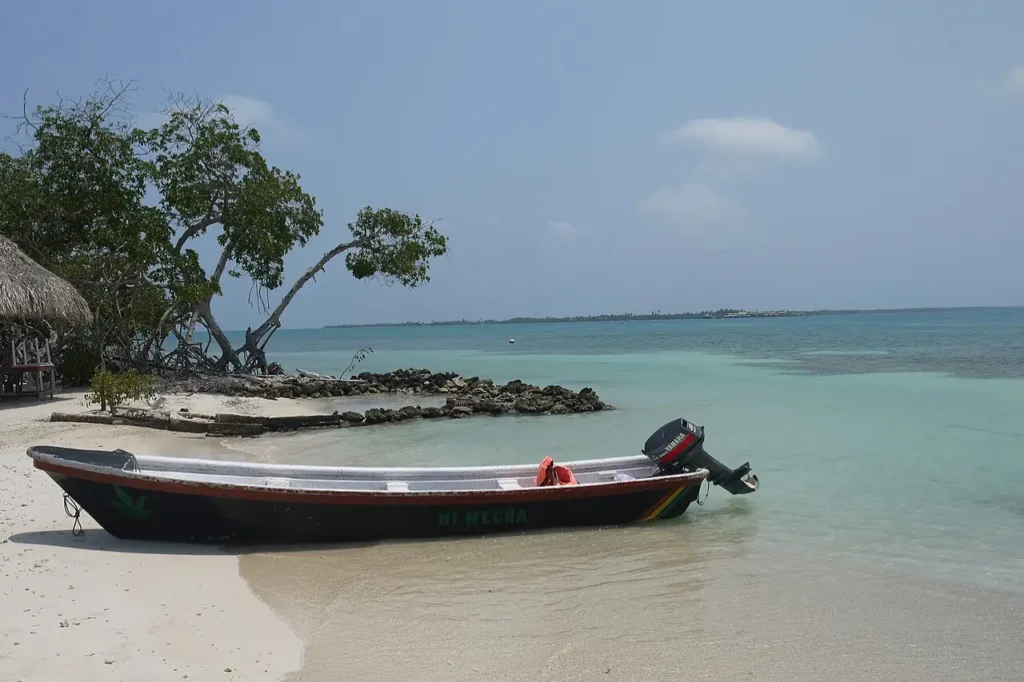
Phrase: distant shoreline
pixel 722 314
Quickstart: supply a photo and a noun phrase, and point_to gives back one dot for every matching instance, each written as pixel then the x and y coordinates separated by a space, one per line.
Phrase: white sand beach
pixel 95 608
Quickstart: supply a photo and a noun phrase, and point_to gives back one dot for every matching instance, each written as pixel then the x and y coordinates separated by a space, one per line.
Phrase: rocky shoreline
pixel 466 397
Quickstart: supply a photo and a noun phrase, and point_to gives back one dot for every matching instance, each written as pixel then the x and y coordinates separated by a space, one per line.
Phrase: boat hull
pixel 176 512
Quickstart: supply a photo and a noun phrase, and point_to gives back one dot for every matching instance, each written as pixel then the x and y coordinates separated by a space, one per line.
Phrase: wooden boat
pixel 196 500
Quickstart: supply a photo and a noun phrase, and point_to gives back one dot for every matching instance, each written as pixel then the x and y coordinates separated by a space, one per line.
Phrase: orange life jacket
pixel 553 474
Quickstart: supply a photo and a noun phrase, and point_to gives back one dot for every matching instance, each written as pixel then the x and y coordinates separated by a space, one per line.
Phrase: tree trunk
pixel 228 356
pixel 198 310
pixel 202 312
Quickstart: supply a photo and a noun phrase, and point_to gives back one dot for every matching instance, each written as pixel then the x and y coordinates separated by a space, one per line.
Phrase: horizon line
pixel 721 313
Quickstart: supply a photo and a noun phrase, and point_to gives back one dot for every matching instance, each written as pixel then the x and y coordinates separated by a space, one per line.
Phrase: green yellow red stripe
pixel 662 504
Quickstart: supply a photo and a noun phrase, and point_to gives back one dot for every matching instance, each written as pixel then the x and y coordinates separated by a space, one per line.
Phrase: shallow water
pixel 662 602
pixel 890 450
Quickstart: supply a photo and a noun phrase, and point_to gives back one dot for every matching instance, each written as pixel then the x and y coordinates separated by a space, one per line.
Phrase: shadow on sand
pixel 733 519
pixel 61 398
pixel 99 540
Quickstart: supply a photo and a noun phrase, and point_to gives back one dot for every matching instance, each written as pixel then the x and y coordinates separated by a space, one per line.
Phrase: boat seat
pixel 398 486
pixel 508 484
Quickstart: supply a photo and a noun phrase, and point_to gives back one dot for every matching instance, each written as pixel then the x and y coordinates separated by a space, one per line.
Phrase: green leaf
pixel 123 497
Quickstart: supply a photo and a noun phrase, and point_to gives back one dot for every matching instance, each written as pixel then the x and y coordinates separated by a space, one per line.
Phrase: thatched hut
pixel 29 293
pixel 33 301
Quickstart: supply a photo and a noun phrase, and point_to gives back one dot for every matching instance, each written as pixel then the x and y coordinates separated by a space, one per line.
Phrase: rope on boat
pixel 72 509
pixel 131 464
pixel 706 493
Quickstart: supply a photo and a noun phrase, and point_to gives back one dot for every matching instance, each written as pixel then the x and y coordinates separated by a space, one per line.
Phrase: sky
pixel 597 157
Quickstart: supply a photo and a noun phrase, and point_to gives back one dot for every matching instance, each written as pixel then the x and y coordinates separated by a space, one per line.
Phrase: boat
pixel 143 497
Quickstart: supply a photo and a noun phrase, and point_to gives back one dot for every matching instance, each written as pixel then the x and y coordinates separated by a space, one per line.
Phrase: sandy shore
pixel 94 608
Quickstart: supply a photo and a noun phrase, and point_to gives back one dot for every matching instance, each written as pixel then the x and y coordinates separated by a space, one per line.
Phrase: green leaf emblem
pixel 135 509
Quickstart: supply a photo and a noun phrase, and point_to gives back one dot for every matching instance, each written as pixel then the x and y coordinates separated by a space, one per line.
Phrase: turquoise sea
pixel 893 441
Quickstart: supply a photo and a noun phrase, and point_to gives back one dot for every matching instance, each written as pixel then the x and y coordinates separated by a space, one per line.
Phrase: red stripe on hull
pixel 667 483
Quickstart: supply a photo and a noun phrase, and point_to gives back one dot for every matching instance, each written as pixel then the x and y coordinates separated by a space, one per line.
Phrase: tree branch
pixel 195 229
pixel 275 317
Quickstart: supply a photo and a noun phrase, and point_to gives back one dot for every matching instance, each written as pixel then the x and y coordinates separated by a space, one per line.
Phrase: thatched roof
pixel 31 293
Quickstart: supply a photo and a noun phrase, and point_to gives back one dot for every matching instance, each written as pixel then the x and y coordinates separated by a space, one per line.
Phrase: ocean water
pixel 886 541
pixel 893 441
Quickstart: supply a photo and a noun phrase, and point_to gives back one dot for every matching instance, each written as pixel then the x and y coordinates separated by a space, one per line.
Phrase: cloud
pixel 259 114
pixel 1010 85
pixel 694 203
pixel 247 112
pixel 563 228
pixel 1014 82
pixel 746 136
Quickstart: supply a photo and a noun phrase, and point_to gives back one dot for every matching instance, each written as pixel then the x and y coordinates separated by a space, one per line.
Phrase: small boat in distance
pixel 209 501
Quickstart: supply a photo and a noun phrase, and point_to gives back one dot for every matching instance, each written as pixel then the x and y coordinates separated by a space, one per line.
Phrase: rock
pixel 218 429
pixel 533 403
pixel 460 411
pixel 312 375
pixel 493 407
pixel 189 425
pixel 407 412
pixel 479 396
pixel 103 418
pixel 303 422
pixel 378 415
pixel 514 387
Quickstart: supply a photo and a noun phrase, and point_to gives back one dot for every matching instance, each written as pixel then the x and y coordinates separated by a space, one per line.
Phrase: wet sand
pixel 679 600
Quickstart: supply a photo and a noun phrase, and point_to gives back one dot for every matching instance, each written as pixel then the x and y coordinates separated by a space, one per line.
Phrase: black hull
pixel 215 515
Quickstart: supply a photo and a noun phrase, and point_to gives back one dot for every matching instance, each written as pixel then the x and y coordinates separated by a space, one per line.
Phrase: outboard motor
pixel 679 446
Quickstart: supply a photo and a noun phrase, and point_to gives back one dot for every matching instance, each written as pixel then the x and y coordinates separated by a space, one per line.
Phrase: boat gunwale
pixel 315 471
pixel 55 464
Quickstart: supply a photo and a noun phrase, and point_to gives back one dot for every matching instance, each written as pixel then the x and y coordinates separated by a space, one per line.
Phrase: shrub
pixel 110 390
pixel 76 361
